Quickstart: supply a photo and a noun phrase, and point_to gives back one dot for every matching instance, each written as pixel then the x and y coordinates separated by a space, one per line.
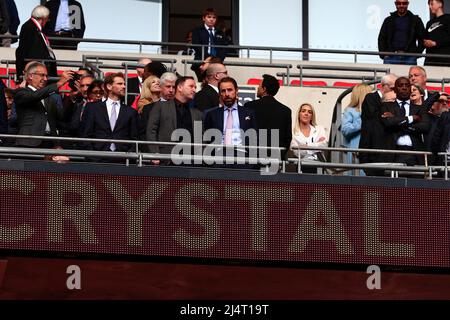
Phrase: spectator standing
pixel 351 119
pixel 34 44
pixel 208 35
pixel 271 114
pixel 14 23
pixel 66 21
pixel 437 34
pixel 401 32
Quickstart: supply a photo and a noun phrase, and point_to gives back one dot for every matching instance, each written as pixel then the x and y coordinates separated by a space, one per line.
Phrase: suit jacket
pixel 271 114
pixel 3 110
pixel 162 121
pixel 95 124
pixel 206 98
pixel 132 87
pixel 213 119
pixel 14 20
pixel 441 136
pixel 32 115
pixel 32 46
pixel 398 125
pixel 201 36
pixel 53 6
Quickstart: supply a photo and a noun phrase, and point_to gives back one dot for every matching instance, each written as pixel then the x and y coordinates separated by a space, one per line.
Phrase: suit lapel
pixel 242 118
pixel 221 111
pixel 173 114
pixel 121 115
pixel 104 113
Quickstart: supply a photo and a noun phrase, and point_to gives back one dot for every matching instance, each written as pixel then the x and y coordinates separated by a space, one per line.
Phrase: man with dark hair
pixel 154 68
pixel 208 97
pixel 66 21
pixel 165 117
pixel 271 114
pixel 437 34
pixel 404 124
pixel 208 35
pixel 401 32
pixel 110 119
pixel 231 117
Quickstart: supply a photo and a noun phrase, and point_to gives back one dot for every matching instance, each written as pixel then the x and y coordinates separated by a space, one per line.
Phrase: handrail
pixel 286 66
pixel 140 43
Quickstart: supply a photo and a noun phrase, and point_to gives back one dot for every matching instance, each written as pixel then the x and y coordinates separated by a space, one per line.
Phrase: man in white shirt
pixel 66 21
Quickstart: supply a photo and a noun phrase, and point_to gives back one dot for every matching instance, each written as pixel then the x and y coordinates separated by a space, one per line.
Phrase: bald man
pixel 134 85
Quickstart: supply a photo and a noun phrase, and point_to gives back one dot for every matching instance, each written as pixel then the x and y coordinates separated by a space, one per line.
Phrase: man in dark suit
pixel 418 76
pixel 165 117
pixel 441 137
pixel 37 114
pixel 34 44
pixel 134 85
pixel 208 96
pixel 235 123
pixel 67 21
pixel 272 115
pixel 208 35
pixel 3 111
pixel 372 130
pixel 404 123
pixel 167 85
pixel 110 119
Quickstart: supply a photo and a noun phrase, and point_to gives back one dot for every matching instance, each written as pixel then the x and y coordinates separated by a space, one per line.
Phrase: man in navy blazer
pixel 208 34
pixel 110 119
pixel 231 118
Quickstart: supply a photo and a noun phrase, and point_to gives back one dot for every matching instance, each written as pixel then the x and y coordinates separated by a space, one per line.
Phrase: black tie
pixel 212 51
pixel 402 109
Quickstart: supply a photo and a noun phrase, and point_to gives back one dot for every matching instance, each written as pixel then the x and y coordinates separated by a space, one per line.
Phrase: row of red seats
pixel 338 84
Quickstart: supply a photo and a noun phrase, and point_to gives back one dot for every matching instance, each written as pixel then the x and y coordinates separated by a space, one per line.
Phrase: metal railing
pixel 140 156
pixel 248 49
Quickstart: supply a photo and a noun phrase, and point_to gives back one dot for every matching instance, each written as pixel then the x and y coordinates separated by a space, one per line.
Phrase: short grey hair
pixel 167 76
pixel 386 79
pixel 32 67
pixel 40 12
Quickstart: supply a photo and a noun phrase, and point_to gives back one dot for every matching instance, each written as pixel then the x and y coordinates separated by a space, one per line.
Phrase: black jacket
pixel 270 115
pixel 32 46
pixel 53 6
pixel 415 37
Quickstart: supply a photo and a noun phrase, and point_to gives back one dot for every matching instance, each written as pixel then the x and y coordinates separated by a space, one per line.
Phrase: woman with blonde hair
pixel 351 118
pixel 307 133
pixel 151 92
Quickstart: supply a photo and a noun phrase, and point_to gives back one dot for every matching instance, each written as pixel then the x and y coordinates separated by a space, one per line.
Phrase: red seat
pixel 447 90
pixel 344 84
pixel 257 82
pixel 433 88
pixel 309 83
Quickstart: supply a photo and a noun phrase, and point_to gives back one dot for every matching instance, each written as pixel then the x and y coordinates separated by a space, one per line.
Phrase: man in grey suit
pixel 165 117
pixel 36 113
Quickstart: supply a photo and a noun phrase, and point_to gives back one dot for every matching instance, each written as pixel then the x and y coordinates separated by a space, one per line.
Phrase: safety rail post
pixel 126 77
pixel 356 56
pixel 446 166
pixel 270 56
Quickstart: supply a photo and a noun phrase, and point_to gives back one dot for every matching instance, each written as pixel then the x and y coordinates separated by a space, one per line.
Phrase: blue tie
pixel 212 50
pixel 402 109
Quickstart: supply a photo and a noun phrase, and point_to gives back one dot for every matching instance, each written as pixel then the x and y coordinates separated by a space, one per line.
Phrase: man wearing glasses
pixel 37 114
pixel 401 32
pixel 208 97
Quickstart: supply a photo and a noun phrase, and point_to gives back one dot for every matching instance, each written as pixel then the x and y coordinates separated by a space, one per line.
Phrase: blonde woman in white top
pixel 308 133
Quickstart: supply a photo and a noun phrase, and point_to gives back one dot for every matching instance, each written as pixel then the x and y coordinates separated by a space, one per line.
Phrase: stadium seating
pixel 309 83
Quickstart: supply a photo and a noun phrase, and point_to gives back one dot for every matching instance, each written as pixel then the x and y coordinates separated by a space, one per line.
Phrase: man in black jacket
pixel 66 21
pixel 401 32
pixel 271 114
